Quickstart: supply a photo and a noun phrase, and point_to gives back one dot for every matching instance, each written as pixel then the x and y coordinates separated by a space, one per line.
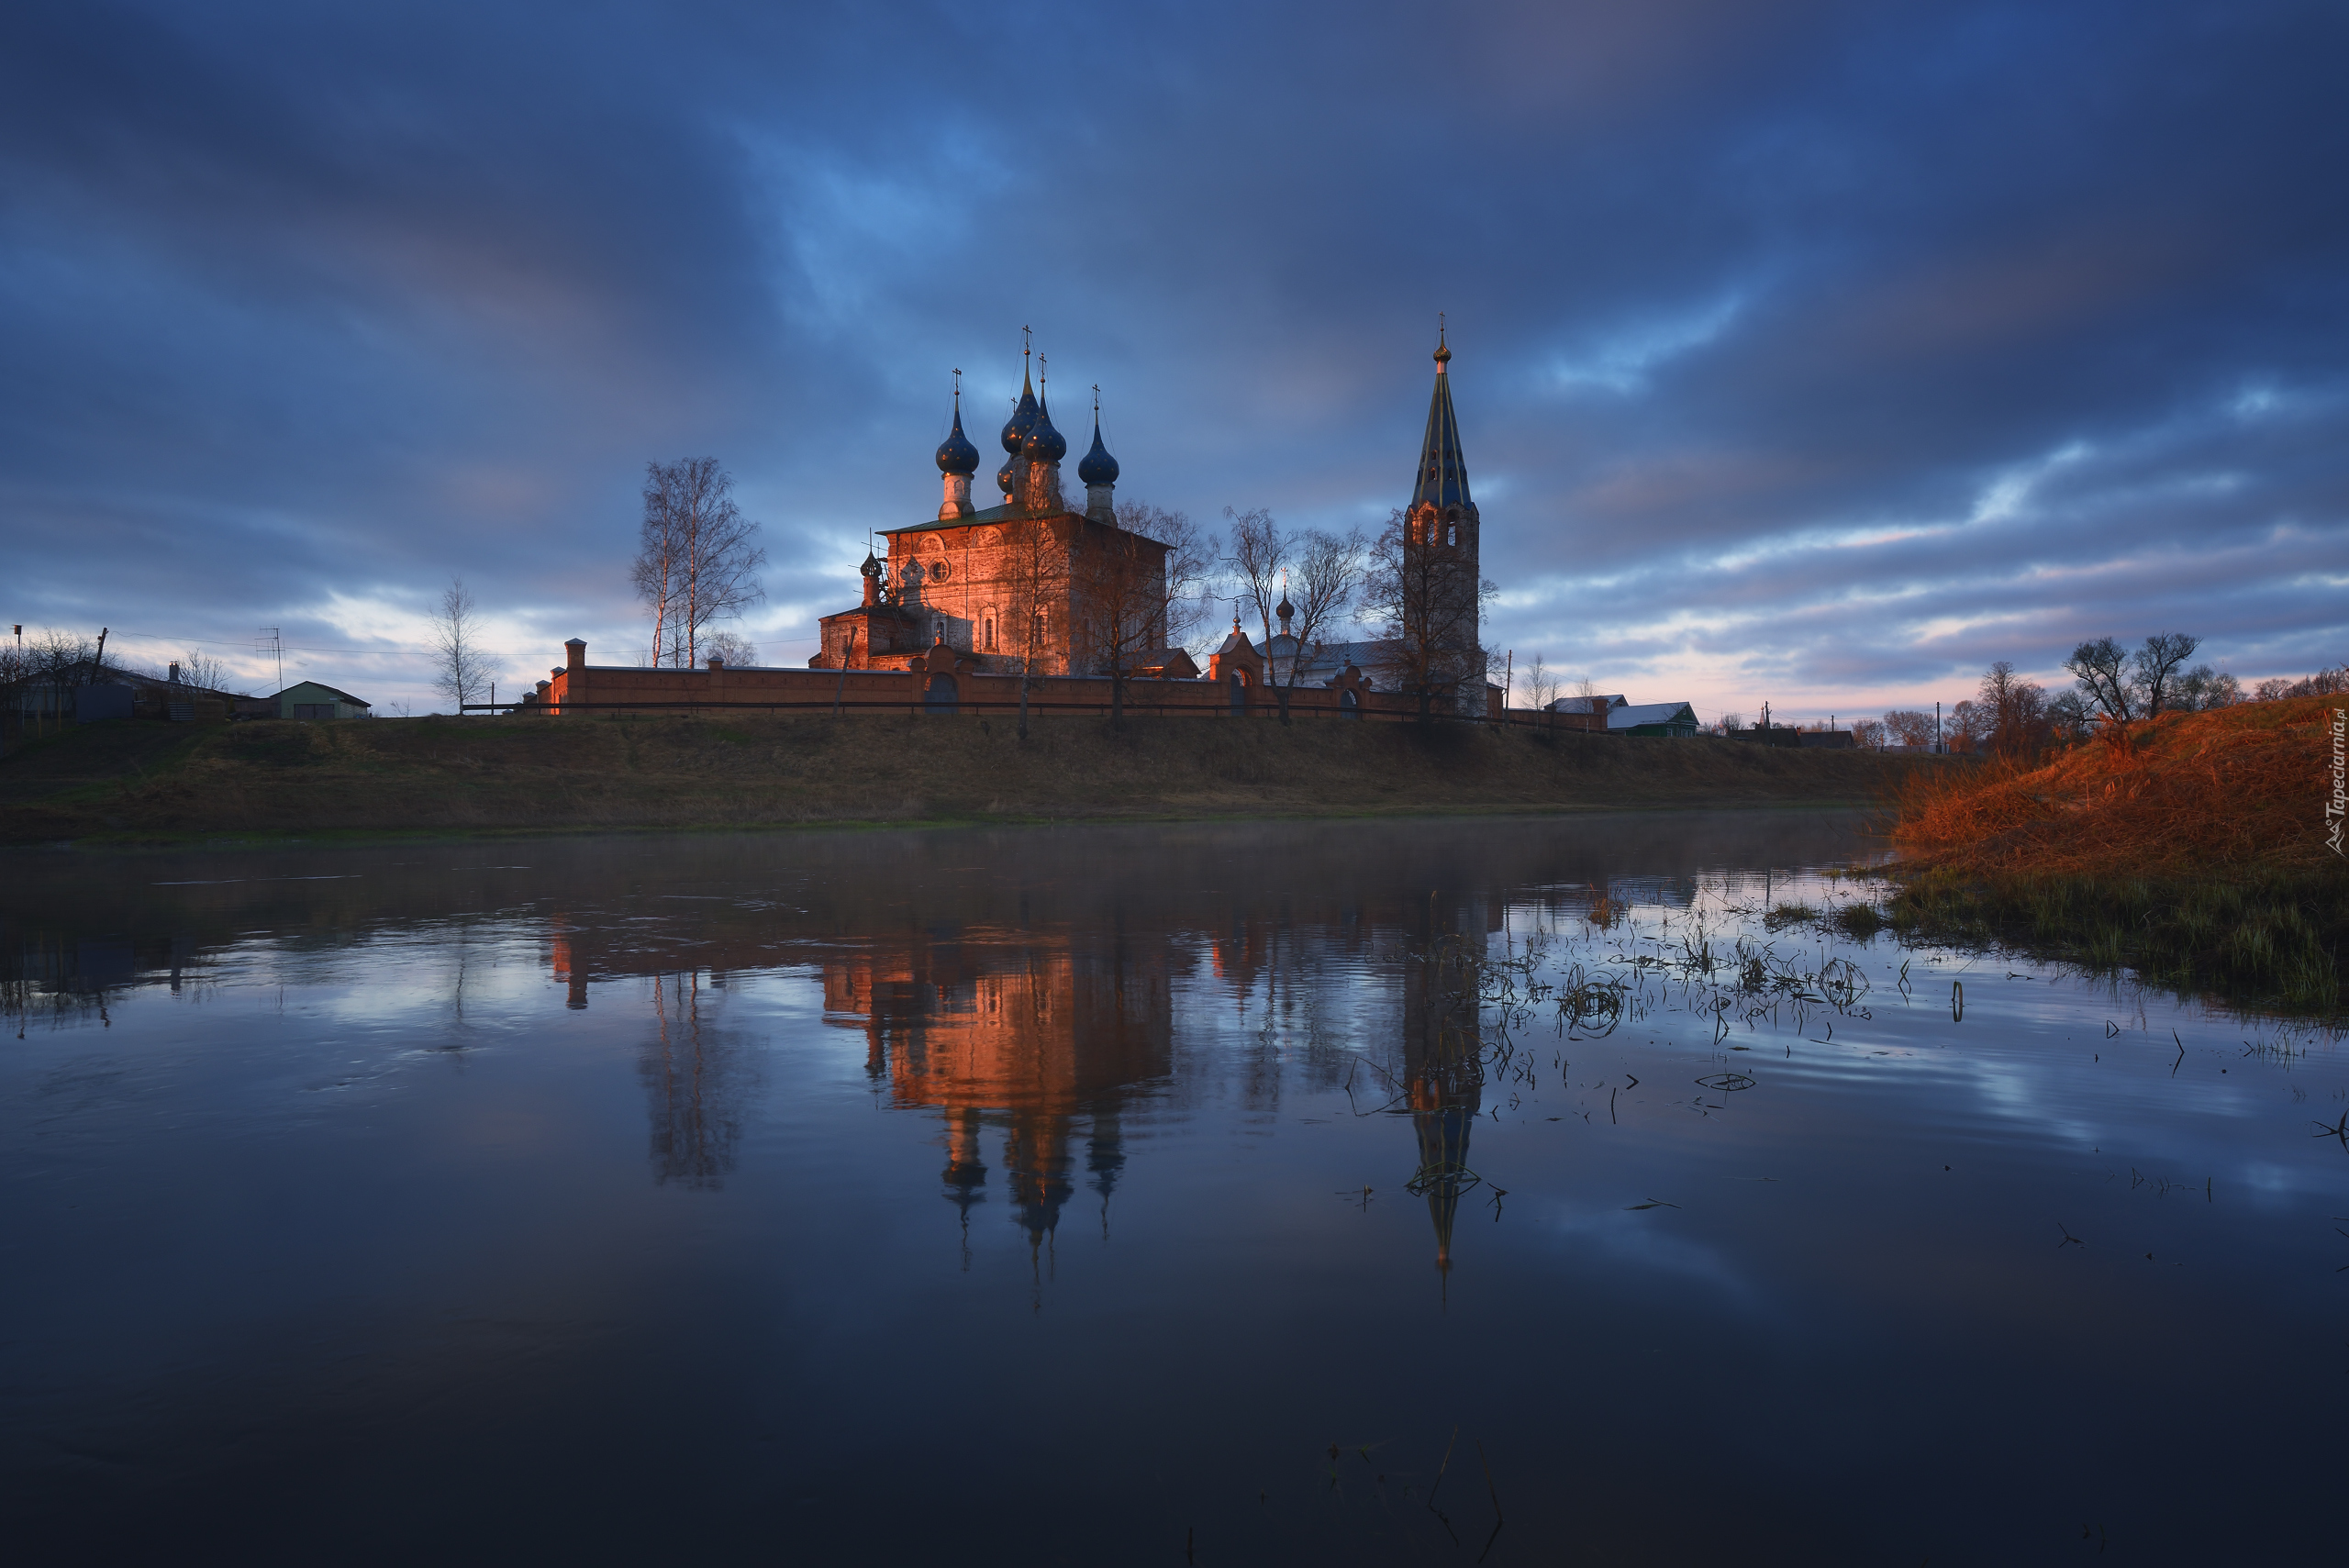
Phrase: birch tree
pixel 461 668
pixel 697 558
pixel 1259 553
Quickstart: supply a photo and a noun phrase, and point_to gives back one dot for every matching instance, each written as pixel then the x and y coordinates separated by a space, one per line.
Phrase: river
pixel 1380 1191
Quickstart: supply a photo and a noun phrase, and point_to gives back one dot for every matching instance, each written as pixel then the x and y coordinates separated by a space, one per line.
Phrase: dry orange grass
pixel 2238 791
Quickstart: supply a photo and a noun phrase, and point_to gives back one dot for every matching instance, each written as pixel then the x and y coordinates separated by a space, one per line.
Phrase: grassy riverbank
pixel 131 781
pixel 2192 851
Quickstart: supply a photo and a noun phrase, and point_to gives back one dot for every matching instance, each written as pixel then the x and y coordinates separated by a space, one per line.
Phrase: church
pixel 1036 601
pixel 1016 584
pixel 1008 585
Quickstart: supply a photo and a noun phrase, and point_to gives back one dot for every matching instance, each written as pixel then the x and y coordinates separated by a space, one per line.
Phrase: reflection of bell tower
pixel 1443 1076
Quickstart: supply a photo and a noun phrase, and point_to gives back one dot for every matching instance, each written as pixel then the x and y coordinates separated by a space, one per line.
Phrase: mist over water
pixel 1069 1195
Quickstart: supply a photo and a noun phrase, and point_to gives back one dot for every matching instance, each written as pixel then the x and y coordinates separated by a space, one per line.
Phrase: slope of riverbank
pixel 2192 850
pixel 160 782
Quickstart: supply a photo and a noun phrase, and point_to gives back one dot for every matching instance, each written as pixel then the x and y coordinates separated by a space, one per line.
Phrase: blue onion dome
pixel 1045 444
pixel 1003 476
pixel 956 454
pixel 1099 467
pixel 1022 418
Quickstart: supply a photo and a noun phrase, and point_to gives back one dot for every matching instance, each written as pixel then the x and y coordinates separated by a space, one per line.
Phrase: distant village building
pixel 1623 717
pixel 1671 718
pixel 89 691
pixel 311 699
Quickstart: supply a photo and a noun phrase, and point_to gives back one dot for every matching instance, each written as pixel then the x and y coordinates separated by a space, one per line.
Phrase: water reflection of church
pixel 1018 1039
pixel 1034 1046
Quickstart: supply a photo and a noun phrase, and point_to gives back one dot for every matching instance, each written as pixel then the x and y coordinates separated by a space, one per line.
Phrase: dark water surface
pixel 1065 1196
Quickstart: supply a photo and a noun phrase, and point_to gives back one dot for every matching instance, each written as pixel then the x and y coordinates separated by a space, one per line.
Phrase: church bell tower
pixel 1439 549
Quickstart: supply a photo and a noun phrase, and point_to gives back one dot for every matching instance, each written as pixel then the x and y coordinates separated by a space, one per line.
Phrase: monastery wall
pixel 944 679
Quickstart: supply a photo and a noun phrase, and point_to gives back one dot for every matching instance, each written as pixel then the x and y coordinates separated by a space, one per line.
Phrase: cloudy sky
pixel 1811 353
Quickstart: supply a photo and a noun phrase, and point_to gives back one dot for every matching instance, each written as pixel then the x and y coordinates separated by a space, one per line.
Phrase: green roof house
pixel 1651 719
pixel 311 700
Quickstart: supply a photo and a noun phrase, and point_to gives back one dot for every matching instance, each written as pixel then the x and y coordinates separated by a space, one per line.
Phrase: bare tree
pixel 1542 682
pixel 1190 566
pixel 1329 569
pixel 2156 667
pixel 2323 683
pixel 2016 710
pixel 1910 726
pixel 1542 685
pixel 730 649
pixel 697 558
pixel 1868 732
pixel 1259 553
pixel 2203 687
pixel 1035 565
pixel 2069 716
pixel 1428 606
pixel 203 670
pixel 1134 588
pixel 2101 669
pixel 53 663
pixel 460 666
pixel 1969 727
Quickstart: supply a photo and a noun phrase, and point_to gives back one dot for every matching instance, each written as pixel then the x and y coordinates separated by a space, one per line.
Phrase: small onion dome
pixel 871 568
pixel 1022 417
pixel 1003 476
pixel 1045 444
pixel 956 454
pixel 1099 467
pixel 1284 609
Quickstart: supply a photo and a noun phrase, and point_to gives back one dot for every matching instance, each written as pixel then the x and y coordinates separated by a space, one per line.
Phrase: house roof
pixel 1632 714
pixel 338 694
pixel 1331 656
pixel 81 674
pixel 1583 705
pixel 1165 659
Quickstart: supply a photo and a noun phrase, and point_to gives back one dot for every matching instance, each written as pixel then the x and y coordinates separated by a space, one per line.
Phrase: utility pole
pixel 274 645
pixel 1937 730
